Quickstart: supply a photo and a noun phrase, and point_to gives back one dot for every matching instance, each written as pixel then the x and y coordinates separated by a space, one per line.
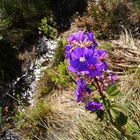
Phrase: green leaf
pixel 106 102
pixel 119 108
pixel 119 114
pixel 91 87
pixel 100 114
pixel 111 88
pixel 133 137
pixel 113 91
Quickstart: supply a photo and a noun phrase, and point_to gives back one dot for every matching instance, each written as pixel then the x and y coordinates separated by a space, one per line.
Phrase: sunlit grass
pixel 70 121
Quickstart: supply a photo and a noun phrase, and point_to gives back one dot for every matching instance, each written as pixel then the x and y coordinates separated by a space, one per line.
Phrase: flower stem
pixel 117 126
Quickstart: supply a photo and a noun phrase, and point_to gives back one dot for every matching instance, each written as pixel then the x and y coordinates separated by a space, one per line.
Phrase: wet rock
pixel 9 135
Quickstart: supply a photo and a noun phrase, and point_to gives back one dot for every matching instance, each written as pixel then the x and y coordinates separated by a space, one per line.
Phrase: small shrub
pixel 108 16
pixel 60 76
pixel 47 29
pixel 60 52
pixel 137 5
pixel 46 85
pixel 36 120
pixel 103 15
pixel 39 111
pixel 20 119
pixel 106 45
pixel 54 78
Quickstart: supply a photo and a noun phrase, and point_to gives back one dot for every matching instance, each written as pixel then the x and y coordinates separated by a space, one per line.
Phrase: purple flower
pixel 78 62
pixel 86 61
pixel 79 95
pixel 81 90
pixel 102 54
pixel 95 68
pixel 78 66
pixel 94 106
pixel 77 53
pixel 91 38
pixel 79 36
pixel 80 52
pixel 89 65
pixel 68 55
pixel 113 78
pixel 81 40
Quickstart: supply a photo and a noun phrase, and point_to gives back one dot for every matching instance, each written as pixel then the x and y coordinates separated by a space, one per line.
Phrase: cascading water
pixel 27 83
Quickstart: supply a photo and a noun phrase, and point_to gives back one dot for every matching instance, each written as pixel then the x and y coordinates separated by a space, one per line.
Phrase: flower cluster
pixel 89 66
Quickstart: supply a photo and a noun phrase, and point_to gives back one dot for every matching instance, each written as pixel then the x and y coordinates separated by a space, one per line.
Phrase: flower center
pixel 82 59
pixel 92 67
pixel 81 44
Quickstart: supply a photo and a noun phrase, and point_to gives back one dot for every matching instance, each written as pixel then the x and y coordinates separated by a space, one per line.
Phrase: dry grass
pixel 68 120
pixel 127 41
pixel 125 53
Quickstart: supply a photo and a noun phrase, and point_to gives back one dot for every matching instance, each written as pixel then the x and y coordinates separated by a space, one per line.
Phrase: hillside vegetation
pixel 54 113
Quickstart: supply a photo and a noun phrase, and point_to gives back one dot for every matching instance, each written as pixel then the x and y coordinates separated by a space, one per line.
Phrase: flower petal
pixel 94 106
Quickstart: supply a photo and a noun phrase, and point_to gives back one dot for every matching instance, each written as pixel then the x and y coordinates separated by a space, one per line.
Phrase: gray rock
pixel 9 135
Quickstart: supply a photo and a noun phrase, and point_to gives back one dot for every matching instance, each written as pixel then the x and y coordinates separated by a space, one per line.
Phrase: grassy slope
pixel 56 116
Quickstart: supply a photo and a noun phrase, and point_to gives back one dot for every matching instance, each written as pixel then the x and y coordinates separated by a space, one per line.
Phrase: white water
pixel 46 49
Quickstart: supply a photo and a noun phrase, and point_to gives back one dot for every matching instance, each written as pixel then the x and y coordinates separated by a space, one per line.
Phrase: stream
pixel 26 84
pixel 22 89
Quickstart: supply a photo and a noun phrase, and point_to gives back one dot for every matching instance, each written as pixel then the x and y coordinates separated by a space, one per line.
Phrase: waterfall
pixel 26 84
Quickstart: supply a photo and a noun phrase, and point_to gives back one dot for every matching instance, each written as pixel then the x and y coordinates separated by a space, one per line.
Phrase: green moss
pixel 46 85
pixel 39 111
pixel 36 120
pixel 106 45
pixel 60 76
pixel 137 5
pixel 60 52
pixel 47 29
